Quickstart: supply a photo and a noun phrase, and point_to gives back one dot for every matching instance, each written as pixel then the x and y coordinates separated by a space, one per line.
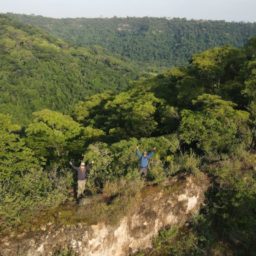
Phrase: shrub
pixel 24 185
pixel 215 127
pixel 173 241
pixel 100 172
pixel 184 162
pixel 129 185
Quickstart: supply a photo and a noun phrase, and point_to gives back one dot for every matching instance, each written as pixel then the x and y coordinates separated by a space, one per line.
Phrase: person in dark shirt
pixel 144 160
pixel 82 173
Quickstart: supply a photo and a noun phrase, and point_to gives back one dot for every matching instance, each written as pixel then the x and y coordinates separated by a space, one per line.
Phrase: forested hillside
pixel 154 41
pixel 200 117
pixel 38 71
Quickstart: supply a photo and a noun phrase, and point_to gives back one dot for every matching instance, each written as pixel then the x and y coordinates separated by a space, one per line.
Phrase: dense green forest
pixel 201 118
pixel 39 71
pixel 150 41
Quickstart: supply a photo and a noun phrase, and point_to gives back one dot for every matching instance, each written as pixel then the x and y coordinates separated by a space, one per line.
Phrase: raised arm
pixel 74 167
pixel 138 153
pixel 151 154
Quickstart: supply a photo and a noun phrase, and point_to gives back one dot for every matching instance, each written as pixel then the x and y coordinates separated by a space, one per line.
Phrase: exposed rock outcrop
pixel 172 204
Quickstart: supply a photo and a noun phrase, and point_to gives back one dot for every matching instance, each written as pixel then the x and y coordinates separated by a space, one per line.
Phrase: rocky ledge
pixel 161 206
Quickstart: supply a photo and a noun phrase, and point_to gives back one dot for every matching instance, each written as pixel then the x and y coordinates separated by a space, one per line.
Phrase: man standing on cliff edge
pixel 82 174
pixel 144 160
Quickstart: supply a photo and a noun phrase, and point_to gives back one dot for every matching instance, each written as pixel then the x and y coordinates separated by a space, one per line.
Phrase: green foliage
pixel 39 71
pixel 218 72
pixel 185 163
pixel 119 159
pixel 169 119
pixel 134 114
pixel 221 71
pixel 124 157
pixel 154 41
pixel 24 186
pixel 212 64
pixel 214 127
pixel 51 133
pixel 87 111
pixel 226 224
pixel 55 136
pixel 100 173
pixel 173 241
pixel 127 114
pixel 16 158
pixel 228 217
pixel 199 117
pixel 129 185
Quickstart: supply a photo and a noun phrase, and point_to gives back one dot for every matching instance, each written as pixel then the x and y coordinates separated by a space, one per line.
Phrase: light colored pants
pixel 80 187
pixel 143 171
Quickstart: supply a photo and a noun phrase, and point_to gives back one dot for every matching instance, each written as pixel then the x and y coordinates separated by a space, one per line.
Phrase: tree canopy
pixel 200 117
pixel 150 41
pixel 40 71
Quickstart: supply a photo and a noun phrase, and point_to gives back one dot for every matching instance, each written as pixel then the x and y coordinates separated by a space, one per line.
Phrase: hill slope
pixel 199 118
pixel 157 41
pixel 38 71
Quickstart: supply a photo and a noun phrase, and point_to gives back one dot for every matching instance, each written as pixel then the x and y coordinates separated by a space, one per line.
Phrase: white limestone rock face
pixel 158 209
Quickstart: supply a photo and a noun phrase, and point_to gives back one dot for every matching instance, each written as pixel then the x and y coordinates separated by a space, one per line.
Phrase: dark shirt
pixel 81 174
